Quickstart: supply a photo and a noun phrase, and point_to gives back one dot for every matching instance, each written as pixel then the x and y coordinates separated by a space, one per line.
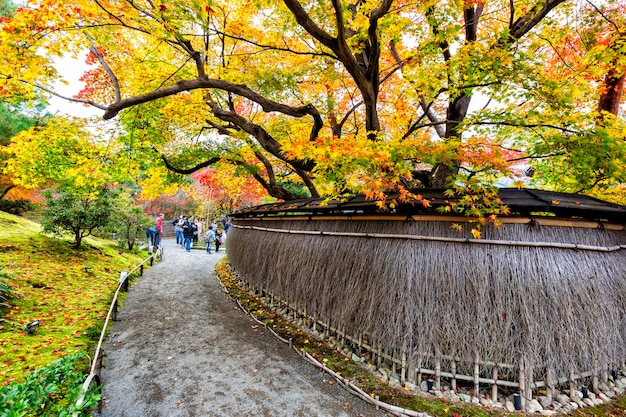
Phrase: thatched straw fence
pixel 537 303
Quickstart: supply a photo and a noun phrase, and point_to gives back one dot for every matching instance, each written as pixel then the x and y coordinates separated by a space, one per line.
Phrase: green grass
pixel 67 290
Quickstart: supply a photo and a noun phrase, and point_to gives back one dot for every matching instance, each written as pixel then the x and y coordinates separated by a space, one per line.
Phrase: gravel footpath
pixel 181 348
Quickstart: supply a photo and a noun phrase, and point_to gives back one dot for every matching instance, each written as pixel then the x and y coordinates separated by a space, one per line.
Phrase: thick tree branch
pixel 525 23
pixel 186 171
pixel 309 25
pixel 205 83
pixel 266 140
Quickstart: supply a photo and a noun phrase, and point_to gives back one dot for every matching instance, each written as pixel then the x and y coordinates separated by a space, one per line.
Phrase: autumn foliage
pixel 335 98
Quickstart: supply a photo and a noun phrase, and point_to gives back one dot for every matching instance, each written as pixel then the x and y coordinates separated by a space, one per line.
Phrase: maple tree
pixel 341 97
pixel 225 191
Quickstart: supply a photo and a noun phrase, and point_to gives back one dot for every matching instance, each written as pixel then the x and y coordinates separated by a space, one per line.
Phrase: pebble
pixel 533 406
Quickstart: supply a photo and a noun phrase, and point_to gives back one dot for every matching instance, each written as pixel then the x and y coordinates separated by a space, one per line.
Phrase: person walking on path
pixel 209 238
pixel 218 240
pixel 188 232
pixel 159 229
pixel 180 348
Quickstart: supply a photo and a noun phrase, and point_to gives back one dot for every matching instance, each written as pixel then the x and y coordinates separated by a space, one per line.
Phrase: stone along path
pixel 181 348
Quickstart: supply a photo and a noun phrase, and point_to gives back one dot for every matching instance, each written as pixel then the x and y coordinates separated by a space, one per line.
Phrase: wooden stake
pixel 476 376
pixel 494 386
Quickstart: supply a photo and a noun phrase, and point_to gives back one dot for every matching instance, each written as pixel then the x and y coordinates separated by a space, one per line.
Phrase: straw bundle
pixel 551 308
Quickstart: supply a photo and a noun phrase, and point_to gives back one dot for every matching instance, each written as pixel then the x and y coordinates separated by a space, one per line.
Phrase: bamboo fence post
pixel 410 366
pixel 476 376
pixel 438 371
pixel 550 388
pixel 419 371
pixel 572 385
pixel 360 343
pixel 379 359
pixel 594 378
pixel 453 371
pixel 494 386
pixel 403 366
pixel 522 383
pixel 604 374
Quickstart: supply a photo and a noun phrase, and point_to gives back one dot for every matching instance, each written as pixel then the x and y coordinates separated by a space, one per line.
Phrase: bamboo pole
pixel 476 377
pixel 494 386
pixel 438 373
pixel 522 383
pixel 453 372
pixel 594 379
pixel 550 385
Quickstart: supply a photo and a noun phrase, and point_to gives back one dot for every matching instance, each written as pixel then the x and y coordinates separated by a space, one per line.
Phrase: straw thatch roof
pixel 550 293
pixel 522 202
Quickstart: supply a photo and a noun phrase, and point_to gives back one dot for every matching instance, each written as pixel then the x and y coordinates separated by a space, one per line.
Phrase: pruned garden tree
pixel 128 221
pixel 344 96
pixel 65 212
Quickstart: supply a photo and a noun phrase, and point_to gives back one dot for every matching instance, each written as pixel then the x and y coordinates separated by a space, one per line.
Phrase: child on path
pixel 209 238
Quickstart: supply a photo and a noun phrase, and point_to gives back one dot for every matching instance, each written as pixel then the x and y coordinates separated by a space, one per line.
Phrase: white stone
pixel 592 395
pixel 453 398
pixel 509 406
pixel 533 406
pixel 486 402
pixel 598 401
pixel 563 399
pixel 423 386
pixel 410 386
pixel 465 398
pixel 589 402
pixel 573 405
pixel 577 394
pixel 438 394
pixel 579 402
pixel 475 401
pixel 545 401
pixel 547 413
pixel 610 393
pixel 604 397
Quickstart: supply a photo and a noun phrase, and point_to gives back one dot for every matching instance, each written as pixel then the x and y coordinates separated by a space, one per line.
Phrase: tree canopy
pixel 338 97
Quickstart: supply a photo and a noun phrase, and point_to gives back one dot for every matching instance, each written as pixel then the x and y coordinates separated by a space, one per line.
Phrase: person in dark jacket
pixel 218 240
pixel 188 231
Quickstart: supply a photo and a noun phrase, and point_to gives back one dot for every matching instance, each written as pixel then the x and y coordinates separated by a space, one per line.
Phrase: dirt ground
pixel 181 348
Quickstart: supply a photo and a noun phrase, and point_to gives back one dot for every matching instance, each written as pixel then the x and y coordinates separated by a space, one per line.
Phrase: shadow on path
pixel 181 348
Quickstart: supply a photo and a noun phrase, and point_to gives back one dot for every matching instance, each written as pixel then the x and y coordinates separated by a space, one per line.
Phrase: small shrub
pixel 49 391
pixel 17 207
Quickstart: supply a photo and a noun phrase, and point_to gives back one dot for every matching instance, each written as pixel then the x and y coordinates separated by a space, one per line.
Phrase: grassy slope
pixel 53 286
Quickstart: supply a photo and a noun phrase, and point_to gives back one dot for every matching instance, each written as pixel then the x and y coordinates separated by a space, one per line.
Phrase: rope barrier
pixel 94 373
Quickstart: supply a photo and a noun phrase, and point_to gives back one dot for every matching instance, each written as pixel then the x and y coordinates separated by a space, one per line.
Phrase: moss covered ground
pixel 67 290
